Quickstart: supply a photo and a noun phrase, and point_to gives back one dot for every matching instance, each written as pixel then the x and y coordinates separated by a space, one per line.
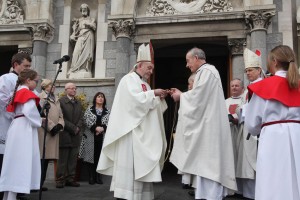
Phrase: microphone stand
pixel 46 107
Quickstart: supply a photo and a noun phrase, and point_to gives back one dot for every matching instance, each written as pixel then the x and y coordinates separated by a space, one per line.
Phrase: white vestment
pixel 232 103
pixel 246 153
pixel 7 87
pixel 134 146
pixel 206 147
pixel 278 159
pixel 21 170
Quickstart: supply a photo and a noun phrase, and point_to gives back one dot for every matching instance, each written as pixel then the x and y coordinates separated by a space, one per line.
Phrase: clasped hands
pixel 174 92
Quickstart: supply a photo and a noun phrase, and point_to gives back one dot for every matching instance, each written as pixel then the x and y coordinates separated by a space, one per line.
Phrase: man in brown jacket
pixel 70 138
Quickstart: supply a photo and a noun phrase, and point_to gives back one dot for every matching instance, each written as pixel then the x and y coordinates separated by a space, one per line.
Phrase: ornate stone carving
pixel 41 31
pixel 122 27
pixel 27 50
pixel 259 19
pixel 169 7
pixel 11 12
pixel 237 45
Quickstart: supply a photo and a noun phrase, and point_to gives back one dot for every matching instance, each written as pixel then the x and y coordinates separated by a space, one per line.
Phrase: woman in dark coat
pixel 96 120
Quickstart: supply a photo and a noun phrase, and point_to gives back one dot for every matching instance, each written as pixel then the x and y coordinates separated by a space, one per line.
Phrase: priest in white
pixel 134 146
pixel 207 145
pixel 247 145
pixel 232 103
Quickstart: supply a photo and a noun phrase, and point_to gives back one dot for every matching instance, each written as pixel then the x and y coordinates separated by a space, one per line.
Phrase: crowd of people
pixel 246 145
pixel 30 140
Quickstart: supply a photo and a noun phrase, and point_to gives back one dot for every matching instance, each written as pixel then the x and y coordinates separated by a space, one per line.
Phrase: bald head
pixel 236 87
pixel 70 89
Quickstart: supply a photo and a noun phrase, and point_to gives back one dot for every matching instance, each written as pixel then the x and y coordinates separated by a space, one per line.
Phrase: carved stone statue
pixel 83 54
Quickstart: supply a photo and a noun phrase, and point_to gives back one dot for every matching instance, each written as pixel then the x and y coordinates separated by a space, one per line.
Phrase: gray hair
pixel 197 52
pixel 192 77
pixel 238 79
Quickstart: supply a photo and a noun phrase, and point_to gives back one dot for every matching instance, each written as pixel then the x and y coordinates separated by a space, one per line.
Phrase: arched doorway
pixel 171 71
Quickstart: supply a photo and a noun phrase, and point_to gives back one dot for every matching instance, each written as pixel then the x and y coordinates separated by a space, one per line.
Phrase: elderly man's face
pixel 71 90
pixel 192 62
pixel 236 88
pixel 253 73
pixel 145 69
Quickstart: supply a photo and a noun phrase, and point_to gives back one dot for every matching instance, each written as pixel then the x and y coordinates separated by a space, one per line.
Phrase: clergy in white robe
pixel 8 81
pixel 246 144
pixel 7 86
pixel 275 115
pixel 134 146
pixel 207 145
pixel 232 103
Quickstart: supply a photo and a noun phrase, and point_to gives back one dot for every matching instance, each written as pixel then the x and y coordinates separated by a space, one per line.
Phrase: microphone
pixel 65 58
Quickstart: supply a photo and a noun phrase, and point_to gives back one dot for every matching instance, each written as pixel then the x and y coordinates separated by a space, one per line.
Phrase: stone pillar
pixel 123 30
pixel 42 34
pixel 236 46
pixel 258 20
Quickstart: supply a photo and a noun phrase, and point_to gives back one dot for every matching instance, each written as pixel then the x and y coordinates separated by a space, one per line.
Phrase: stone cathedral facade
pixel 221 27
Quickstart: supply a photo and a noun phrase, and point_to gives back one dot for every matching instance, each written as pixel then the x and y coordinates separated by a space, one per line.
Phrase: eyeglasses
pixel 71 88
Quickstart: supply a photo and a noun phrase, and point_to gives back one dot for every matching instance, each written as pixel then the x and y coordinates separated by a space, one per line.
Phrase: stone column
pixel 123 30
pixel 258 21
pixel 42 34
pixel 236 46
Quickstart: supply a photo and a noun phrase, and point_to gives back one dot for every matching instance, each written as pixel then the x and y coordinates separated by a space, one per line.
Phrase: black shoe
pixel 186 186
pixel 72 184
pixel 191 193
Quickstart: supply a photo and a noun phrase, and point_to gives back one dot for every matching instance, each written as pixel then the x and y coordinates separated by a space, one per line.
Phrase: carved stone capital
pixel 122 27
pixel 27 50
pixel 237 45
pixel 259 19
pixel 41 31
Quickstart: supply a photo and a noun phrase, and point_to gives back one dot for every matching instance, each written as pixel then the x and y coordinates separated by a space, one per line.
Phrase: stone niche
pixel 75 15
pixel 71 12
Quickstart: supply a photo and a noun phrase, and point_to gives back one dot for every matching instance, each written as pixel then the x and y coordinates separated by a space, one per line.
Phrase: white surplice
pixel 134 146
pixel 278 159
pixel 232 103
pixel 206 147
pixel 7 86
pixel 21 170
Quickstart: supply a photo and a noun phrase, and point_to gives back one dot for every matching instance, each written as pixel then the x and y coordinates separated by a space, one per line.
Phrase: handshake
pixel 174 92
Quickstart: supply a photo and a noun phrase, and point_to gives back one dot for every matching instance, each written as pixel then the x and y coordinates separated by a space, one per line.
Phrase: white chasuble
pixel 206 148
pixel 136 113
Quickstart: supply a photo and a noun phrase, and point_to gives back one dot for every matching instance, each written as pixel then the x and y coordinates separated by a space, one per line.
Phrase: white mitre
pixel 145 53
pixel 252 59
